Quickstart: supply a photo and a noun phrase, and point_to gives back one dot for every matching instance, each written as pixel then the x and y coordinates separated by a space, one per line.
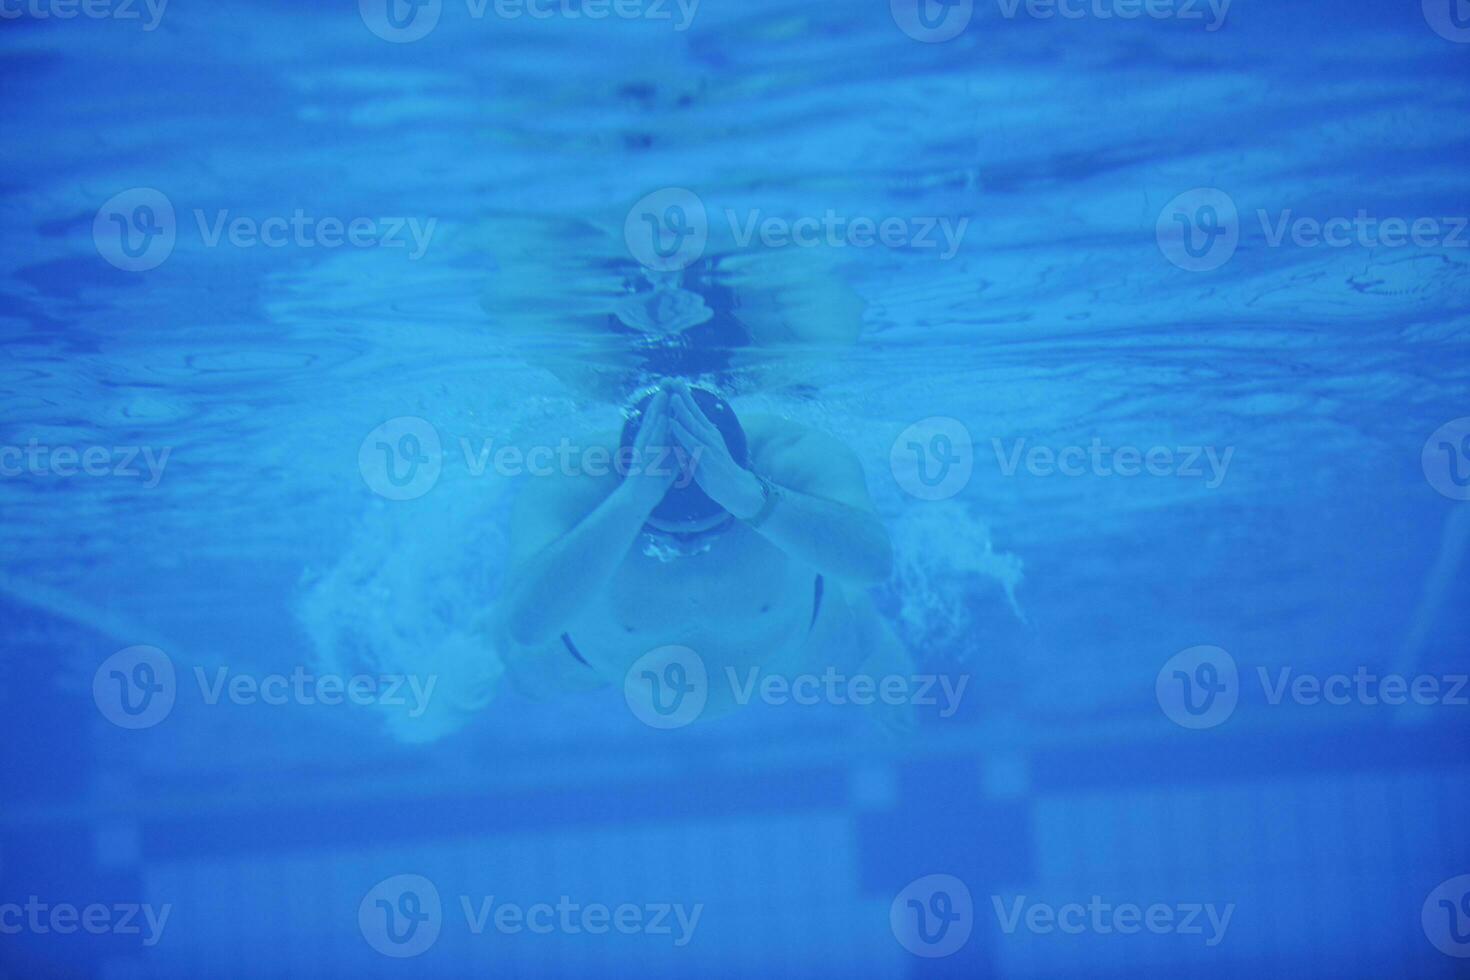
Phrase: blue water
pixel 1158 461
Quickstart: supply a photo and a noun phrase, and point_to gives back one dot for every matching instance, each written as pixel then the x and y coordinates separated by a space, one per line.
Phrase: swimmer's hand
pixel 727 483
pixel 650 476
pixel 824 516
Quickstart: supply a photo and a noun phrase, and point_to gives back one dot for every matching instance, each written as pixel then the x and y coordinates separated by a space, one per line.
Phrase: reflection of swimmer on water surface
pixel 599 325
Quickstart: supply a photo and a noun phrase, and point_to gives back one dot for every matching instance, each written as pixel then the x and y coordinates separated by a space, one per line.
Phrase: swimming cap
pixel 690 506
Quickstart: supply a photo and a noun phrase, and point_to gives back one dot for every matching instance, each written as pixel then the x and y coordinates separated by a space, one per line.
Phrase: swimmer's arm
pixel 823 514
pixel 567 541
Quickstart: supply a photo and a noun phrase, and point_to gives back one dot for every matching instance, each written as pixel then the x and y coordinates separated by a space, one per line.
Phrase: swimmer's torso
pixel 743 603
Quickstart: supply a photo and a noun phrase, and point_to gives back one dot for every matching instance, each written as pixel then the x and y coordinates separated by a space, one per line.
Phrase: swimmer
pixel 755 553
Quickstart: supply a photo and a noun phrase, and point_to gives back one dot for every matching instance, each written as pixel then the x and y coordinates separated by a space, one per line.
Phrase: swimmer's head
pixel 687 511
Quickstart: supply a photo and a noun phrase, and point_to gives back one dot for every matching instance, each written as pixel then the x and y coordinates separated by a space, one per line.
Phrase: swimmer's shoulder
pixel 771 437
pixel 807 459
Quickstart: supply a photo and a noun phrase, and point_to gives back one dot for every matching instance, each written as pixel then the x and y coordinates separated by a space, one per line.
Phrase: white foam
pixel 411 597
pixel 943 559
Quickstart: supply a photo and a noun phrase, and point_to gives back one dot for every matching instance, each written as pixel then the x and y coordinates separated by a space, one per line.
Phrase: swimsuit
pixel 817 589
